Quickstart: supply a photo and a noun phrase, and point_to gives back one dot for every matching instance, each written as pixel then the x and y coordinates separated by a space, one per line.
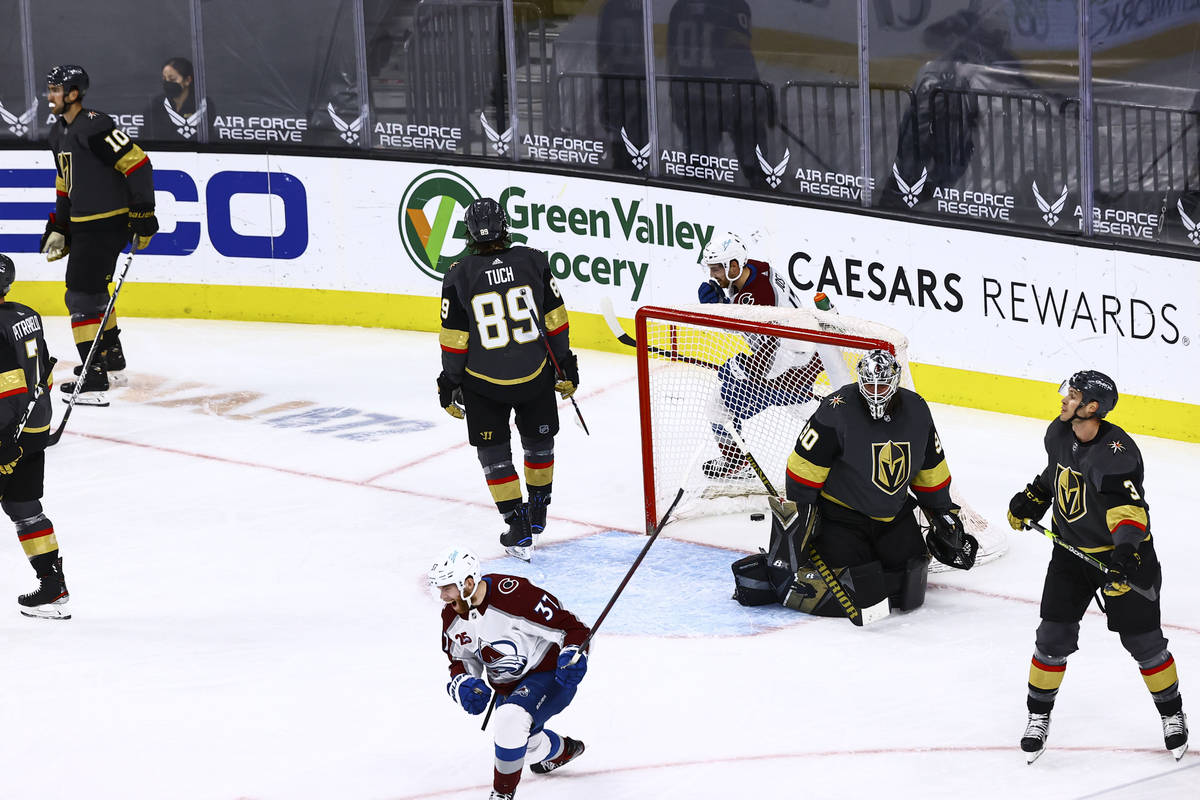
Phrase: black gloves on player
pixel 1125 568
pixel 1031 504
pixel 56 241
pixel 450 397
pixel 10 454
pixel 469 692
pixel 570 371
pixel 142 226
pixel 949 542
pixel 711 292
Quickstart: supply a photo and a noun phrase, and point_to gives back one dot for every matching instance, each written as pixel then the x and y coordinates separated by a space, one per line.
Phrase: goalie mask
pixel 1092 386
pixel 454 567
pixel 721 251
pixel 878 380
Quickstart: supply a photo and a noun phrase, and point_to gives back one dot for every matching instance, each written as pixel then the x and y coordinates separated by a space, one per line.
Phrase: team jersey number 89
pixel 502 318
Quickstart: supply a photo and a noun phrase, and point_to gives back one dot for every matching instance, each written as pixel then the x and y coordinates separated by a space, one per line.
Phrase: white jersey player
pixel 506 634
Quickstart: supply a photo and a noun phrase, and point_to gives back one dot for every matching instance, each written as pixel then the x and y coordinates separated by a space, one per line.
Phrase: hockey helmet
pixel 454 566
pixel 878 380
pixel 486 221
pixel 69 76
pixel 1093 385
pixel 723 249
pixel 8 274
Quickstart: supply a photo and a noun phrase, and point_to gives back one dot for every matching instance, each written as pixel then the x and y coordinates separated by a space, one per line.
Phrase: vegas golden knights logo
pixel 891 465
pixel 1069 495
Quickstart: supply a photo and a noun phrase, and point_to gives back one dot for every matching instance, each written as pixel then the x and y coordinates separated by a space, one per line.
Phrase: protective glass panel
pixel 1146 118
pixel 18 107
pixel 978 132
pixel 714 104
pixel 280 73
pixel 438 76
pixel 124 60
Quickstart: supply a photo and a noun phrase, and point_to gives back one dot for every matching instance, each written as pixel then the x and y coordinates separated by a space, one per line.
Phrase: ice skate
pixel 95 384
pixel 537 514
pixel 725 467
pixel 501 795
pixel 518 539
pixel 50 599
pixel 572 749
pixel 1175 733
pixel 113 360
pixel 1034 740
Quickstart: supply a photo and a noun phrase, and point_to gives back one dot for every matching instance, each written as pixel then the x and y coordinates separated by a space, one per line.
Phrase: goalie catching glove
pixel 948 542
pixel 450 397
pixel 1029 504
pixel 56 241
pixel 570 375
pixel 470 693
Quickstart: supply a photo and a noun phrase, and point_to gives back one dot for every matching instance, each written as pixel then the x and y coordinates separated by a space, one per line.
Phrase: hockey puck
pixel 756 517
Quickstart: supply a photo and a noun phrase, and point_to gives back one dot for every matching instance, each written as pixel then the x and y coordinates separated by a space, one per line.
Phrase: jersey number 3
pixel 504 318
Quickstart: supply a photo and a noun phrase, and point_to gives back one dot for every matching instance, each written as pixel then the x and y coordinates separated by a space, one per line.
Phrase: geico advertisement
pixel 974 301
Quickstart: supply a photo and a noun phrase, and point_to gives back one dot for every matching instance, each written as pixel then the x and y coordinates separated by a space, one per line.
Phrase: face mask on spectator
pixel 172 89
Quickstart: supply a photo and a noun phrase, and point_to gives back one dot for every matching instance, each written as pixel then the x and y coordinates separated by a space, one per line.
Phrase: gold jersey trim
pixel 514 381
pixel 556 318
pixel 804 469
pixel 12 380
pixel 454 339
pixel 103 215
pixel 833 499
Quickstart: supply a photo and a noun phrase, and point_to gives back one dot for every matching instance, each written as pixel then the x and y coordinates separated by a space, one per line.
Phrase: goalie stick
pixel 1150 594
pixel 528 295
pixel 857 616
pixel 87 362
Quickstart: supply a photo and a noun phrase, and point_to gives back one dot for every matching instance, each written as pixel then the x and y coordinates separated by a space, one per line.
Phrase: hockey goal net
pixel 761 371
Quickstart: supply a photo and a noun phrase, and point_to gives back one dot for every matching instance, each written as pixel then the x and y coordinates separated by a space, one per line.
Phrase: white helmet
pixel 454 566
pixel 722 249
pixel 878 380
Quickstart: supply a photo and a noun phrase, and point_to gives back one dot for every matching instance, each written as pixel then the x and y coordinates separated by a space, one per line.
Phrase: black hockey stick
pixel 859 618
pixel 1150 594
pixel 488 715
pixel 614 325
pixel 87 362
pixel 683 483
pixel 38 388
pixel 528 295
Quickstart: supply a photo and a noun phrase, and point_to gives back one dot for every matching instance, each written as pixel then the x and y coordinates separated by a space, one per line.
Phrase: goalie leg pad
pixel 751 581
pixel 912 582
pixel 810 594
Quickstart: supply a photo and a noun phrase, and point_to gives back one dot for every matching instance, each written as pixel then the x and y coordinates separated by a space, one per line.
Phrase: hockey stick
pixel 87 362
pixel 38 389
pixel 528 295
pixel 683 483
pixel 614 325
pixel 859 617
pixel 488 715
pixel 1150 594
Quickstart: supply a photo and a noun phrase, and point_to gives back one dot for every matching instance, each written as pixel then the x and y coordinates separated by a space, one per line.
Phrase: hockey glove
pixel 56 241
pixel 9 456
pixel 450 397
pixel 948 542
pixel 570 372
pixel 1028 504
pixel 469 692
pixel 711 292
pixel 568 674
pixel 142 226
pixel 1125 568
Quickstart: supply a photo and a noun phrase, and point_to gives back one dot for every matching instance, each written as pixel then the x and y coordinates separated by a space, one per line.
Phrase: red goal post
pixel 697 371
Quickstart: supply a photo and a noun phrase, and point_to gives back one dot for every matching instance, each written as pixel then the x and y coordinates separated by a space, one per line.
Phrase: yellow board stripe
pixel 1029 398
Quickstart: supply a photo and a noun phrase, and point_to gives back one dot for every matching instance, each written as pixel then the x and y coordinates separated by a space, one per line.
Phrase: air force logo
pixel 1070 497
pixel 502 658
pixel 500 141
pixel 1050 211
pixel 910 194
pixel 774 174
pixel 347 131
pixel 17 125
pixel 640 155
pixel 1192 234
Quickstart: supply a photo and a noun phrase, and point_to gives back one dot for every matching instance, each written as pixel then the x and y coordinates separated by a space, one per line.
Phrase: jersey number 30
pixel 504 318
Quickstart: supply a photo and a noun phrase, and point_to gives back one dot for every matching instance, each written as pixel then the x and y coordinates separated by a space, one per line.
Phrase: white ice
pixel 251 618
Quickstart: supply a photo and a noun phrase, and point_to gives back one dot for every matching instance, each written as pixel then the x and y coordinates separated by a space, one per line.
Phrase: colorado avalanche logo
pixel 508 586
pixel 501 658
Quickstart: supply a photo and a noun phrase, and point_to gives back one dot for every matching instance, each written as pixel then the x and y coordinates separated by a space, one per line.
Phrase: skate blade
pixel 523 553
pixel 1179 751
pixel 47 611
pixel 1032 757
pixel 98 399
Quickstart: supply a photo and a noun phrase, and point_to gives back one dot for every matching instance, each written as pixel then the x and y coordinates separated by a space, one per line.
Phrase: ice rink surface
pixel 246 532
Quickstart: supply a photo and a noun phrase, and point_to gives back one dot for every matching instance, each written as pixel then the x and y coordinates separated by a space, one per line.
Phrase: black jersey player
pixel 501 310
pixel 1093 482
pixel 25 366
pixel 104 199
pixel 868 457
